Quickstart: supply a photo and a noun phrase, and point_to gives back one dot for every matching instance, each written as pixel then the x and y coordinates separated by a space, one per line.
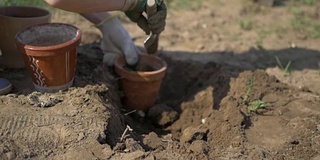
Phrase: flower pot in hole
pixel 50 54
pixel 13 19
pixel 141 86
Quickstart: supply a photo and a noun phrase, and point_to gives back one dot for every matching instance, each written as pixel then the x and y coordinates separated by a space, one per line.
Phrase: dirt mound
pixel 204 111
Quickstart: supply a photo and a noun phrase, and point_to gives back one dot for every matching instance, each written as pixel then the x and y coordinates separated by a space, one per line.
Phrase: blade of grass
pixel 285 70
pixel 249 88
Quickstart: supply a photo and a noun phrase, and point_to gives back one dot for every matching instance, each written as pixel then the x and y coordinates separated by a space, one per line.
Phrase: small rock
pixel 132 145
pixel 107 151
pixel 150 157
pixel 317 157
pixel 270 98
pixel 5 149
pixel 72 112
pixel 48 101
pixel 81 136
pixel 11 155
pixel 119 147
pixel 199 147
pixel 77 101
pixel 43 100
pixel 133 155
pixel 258 154
pixel 152 140
pixel 162 114
pixel 48 152
pixel 200 47
pixel 191 134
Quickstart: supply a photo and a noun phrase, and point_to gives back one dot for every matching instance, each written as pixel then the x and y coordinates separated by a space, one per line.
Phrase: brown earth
pixel 217 70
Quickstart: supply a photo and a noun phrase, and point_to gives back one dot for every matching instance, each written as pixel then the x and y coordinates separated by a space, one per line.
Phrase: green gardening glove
pixel 134 10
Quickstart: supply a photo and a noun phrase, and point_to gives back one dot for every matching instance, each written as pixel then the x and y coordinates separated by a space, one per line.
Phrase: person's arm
pixel 132 8
pixel 96 18
pixel 87 6
pixel 116 40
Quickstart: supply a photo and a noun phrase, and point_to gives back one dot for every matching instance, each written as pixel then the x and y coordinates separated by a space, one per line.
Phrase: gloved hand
pixel 156 23
pixel 115 41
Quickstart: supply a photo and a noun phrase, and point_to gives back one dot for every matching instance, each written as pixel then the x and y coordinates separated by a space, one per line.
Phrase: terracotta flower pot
pixel 141 88
pixel 50 54
pixel 12 20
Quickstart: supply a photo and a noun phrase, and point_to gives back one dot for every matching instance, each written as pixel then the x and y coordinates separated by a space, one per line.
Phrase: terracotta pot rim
pixel 74 40
pixel 137 73
pixel 26 7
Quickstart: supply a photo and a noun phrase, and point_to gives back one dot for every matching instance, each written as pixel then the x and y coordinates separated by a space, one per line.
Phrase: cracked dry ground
pixel 202 109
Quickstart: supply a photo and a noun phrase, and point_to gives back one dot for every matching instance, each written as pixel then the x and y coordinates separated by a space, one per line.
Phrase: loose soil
pixel 205 109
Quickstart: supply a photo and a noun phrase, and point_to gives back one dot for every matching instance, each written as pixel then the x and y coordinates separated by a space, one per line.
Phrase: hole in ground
pixel 190 93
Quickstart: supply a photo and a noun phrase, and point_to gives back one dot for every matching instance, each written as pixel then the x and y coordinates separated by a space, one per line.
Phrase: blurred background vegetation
pixel 302 21
pixel 176 4
pixel 22 2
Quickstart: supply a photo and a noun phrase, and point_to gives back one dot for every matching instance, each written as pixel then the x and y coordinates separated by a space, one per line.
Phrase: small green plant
pixel 183 4
pixel 259 43
pixel 280 31
pixel 299 23
pixel 253 106
pixel 249 88
pixel 304 23
pixel 296 10
pixel 316 31
pixel 245 24
pixel 308 2
pixel 285 70
pixel 256 104
pixel 263 33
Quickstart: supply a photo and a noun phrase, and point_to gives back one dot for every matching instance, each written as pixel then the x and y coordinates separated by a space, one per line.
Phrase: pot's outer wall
pixel 141 89
pixel 13 19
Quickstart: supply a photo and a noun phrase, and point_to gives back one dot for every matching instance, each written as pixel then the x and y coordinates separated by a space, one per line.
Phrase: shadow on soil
pixel 188 74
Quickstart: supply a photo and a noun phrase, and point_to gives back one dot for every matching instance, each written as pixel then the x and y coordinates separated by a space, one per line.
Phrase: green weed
pixel 316 31
pixel 256 104
pixel 263 33
pixel 302 2
pixel 259 43
pixel 285 70
pixel 305 23
pixel 183 4
pixel 308 2
pixel 253 106
pixel 280 31
pixel 249 88
pixel 299 21
pixel 245 24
